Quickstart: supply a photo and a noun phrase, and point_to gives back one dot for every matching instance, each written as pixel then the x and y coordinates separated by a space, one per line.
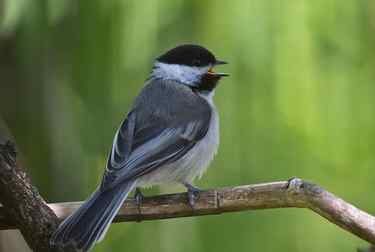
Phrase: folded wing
pixel 140 149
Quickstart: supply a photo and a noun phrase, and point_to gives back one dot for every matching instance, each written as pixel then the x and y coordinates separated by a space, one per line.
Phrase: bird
pixel 169 136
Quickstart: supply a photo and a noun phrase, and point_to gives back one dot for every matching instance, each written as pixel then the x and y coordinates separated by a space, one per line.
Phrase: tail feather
pixel 89 223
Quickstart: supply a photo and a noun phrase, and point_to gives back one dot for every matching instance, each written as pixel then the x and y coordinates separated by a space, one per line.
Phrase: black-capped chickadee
pixel 169 136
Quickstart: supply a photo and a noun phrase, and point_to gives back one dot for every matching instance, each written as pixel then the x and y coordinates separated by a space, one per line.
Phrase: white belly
pixel 193 164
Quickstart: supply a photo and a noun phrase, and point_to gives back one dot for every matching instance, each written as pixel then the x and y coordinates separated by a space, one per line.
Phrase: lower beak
pixel 218 74
pixel 215 74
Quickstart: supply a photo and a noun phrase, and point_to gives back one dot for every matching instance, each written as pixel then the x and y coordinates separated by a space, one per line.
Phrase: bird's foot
pixel 193 193
pixel 138 196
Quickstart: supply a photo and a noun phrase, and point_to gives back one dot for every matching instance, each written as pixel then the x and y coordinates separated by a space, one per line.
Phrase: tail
pixel 90 222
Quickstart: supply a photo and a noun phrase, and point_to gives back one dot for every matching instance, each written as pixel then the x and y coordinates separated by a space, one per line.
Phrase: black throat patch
pixel 207 83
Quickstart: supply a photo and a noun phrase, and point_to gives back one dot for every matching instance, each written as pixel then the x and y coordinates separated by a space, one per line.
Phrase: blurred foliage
pixel 299 102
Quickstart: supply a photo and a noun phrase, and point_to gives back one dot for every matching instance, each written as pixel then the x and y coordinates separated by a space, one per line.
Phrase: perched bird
pixel 170 135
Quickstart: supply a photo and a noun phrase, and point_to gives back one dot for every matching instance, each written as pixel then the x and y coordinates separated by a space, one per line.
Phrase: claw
pixel 138 196
pixel 193 194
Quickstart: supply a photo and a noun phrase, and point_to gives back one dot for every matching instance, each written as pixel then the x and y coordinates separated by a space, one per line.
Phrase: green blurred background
pixel 299 102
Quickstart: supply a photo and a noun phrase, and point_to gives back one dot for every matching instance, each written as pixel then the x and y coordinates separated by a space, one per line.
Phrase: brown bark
pixel 23 206
pixel 292 193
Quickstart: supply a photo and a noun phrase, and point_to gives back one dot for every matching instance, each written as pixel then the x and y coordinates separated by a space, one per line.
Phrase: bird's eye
pixel 196 62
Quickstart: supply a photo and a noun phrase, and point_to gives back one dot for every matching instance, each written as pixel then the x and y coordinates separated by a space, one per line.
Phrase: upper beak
pixel 218 62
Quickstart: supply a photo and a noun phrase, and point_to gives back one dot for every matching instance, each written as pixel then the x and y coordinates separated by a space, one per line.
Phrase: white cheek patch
pixel 185 74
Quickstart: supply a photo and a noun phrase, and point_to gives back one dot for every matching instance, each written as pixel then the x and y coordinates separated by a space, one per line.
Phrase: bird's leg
pixel 193 193
pixel 138 196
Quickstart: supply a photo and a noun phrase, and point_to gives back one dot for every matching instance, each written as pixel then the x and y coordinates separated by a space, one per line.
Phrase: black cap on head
pixel 189 55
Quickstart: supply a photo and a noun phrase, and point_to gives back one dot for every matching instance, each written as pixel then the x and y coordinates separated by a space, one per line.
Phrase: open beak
pixel 215 74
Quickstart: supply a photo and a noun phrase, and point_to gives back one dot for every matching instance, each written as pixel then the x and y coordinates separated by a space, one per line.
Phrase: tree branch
pixel 292 193
pixel 23 207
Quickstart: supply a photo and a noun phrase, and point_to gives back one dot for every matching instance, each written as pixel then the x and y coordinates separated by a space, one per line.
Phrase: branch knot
pixel 294 186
